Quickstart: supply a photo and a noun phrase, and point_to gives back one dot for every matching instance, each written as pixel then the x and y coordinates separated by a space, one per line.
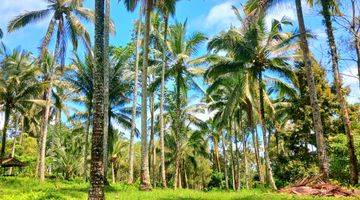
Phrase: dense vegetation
pixel 125 117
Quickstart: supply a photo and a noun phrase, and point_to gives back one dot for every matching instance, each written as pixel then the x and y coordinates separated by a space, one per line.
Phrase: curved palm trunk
pixel 320 142
pixel 162 99
pixel 338 85
pixel 43 133
pixel 106 87
pixel 216 152
pixel 86 149
pixel 135 94
pixel 269 174
pixel 6 124
pixel 225 160
pixel 145 177
pixel 96 191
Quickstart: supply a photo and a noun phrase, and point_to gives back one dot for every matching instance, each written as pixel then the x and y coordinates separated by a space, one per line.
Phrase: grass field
pixel 30 189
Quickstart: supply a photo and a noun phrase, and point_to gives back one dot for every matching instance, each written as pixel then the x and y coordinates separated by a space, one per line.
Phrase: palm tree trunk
pixel 96 191
pixel 237 152
pixel 106 87
pixel 87 133
pixel 216 153
pixel 152 149
pixel 269 174
pixel 14 142
pixel 6 124
pixel 225 160
pixel 232 161
pixel 162 99
pixel 246 162
pixel 145 177
pixel 135 94
pixel 320 142
pixel 43 133
pixel 177 171
pixel 113 173
pixel 255 140
pixel 344 112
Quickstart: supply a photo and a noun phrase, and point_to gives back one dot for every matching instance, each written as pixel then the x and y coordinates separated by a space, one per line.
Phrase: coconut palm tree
pixel 19 87
pixel 167 8
pixel 65 19
pixel 328 8
pixel 251 48
pixel 96 172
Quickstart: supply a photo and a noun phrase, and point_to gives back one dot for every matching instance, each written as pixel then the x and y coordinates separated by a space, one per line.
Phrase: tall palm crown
pixel 65 19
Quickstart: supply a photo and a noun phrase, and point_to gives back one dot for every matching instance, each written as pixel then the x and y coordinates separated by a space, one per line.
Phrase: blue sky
pixel 207 16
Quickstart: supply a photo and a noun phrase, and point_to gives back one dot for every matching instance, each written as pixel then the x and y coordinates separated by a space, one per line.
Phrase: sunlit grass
pixel 31 189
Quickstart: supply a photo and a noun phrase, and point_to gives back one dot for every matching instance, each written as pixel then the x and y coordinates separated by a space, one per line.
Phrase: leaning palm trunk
pixel 106 87
pixel 320 142
pixel 6 124
pixel 356 36
pixel 43 133
pixel 96 191
pixel 133 117
pixel 162 99
pixel 145 177
pixel 216 153
pixel 269 174
pixel 338 85
pixel 225 160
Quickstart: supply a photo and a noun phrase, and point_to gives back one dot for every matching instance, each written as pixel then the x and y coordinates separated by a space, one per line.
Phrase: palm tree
pixel 106 86
pixel 255 48
pixel 96 172
pixel 19 87
pixel 65 17
pixel 166 8
pixel 324 163
pixel 327 6
pixel 181 49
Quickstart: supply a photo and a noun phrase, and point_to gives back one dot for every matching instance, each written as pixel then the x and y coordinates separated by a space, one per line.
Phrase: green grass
pixel 31 189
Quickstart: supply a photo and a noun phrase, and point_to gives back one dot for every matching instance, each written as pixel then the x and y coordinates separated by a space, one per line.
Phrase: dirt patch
pixel 317 187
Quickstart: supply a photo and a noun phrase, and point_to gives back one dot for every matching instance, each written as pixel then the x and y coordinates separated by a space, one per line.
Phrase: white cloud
pixel 221 16
pixel 350 80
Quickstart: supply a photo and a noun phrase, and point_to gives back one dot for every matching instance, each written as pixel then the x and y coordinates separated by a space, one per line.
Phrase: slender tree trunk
pixel 216 153
pixel 43 133
pixel 96 191
pixel 225 160
pixel 246 162
pixel 86 149
pixel 320 142
pixel 135 94
pixel 232 161
pixel 255 140
pixel 145 177
pixel 162 99
pixel 344 112
pixel 106 88
pixel 269 174
pixel 14 142
pixel 113 173
pixel 4 136
pixel 152 149
pixel 356 35
pixel 186 177
pixel 177 172
pixel 237 152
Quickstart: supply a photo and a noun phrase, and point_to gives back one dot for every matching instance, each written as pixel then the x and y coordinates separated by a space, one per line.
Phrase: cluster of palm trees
pixel 249 71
